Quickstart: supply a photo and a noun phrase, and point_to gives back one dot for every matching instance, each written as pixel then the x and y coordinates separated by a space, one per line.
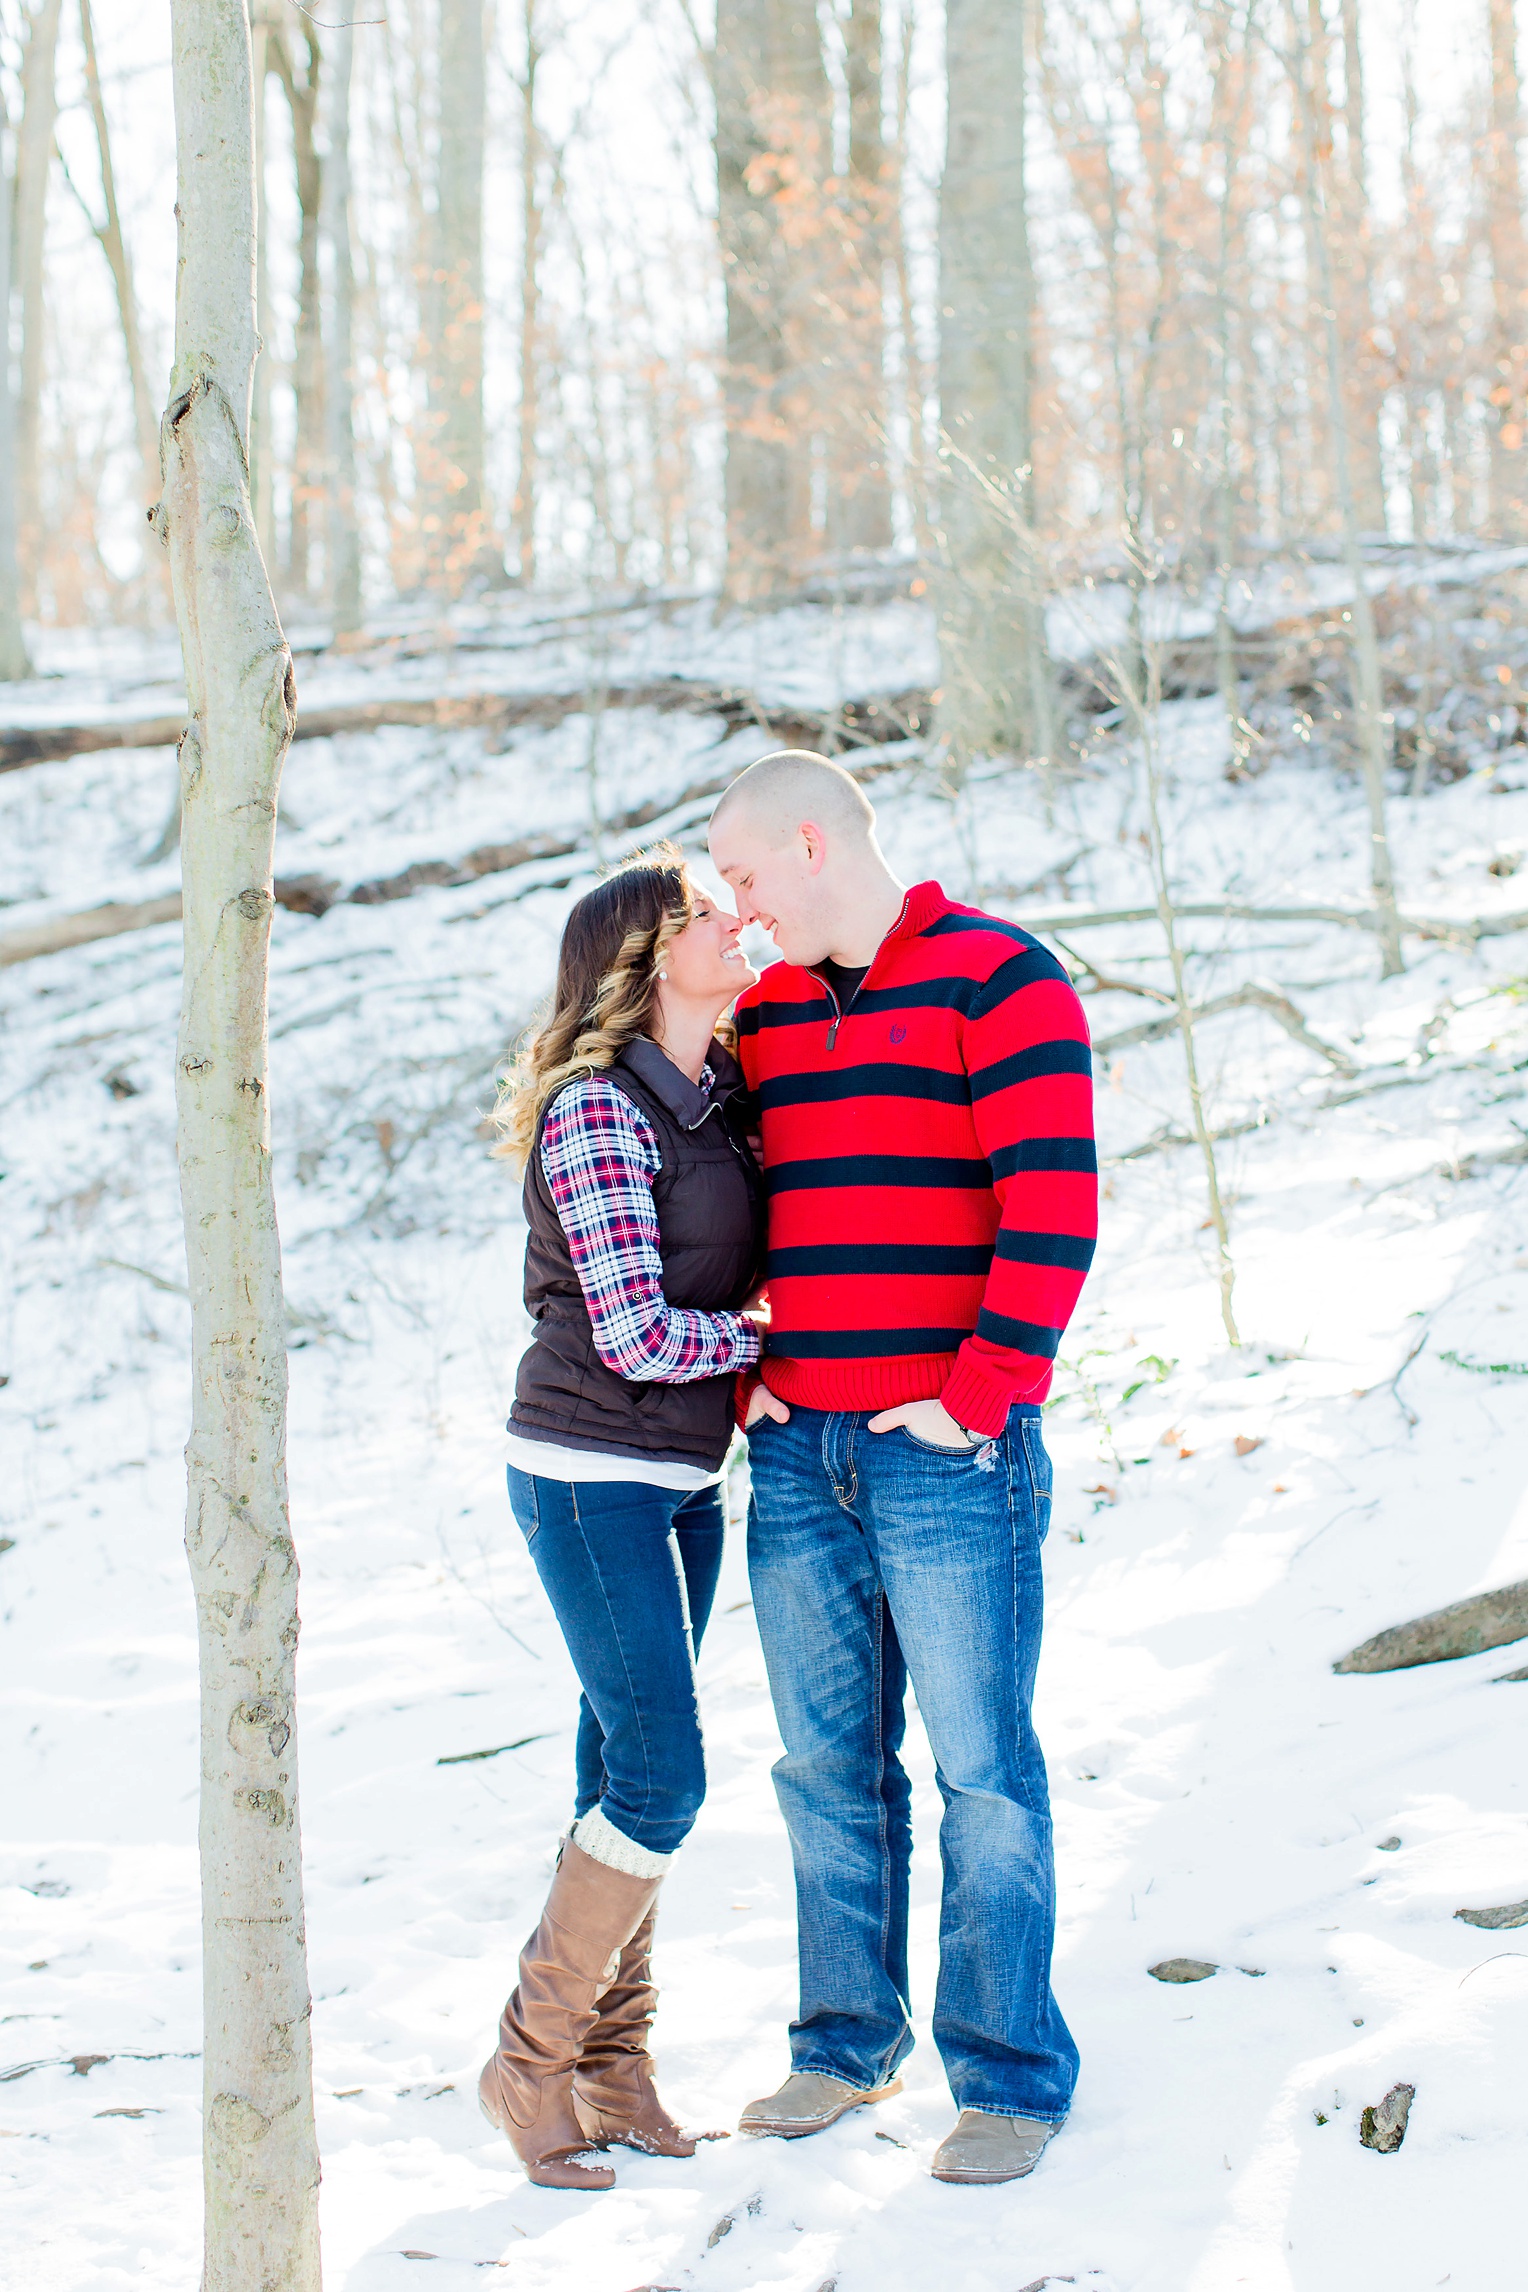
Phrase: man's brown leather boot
pixel 614 2093
pixel 566 1967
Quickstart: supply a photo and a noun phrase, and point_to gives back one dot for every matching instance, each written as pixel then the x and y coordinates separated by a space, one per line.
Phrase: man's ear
pixel 814 844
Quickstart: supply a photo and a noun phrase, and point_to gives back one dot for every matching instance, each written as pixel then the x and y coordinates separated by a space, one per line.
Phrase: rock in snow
pixel 1383 2127
pixel 1499 1920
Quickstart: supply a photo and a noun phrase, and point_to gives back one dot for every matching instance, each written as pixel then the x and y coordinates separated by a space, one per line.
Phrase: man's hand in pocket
pixel 763 1403
pixel 927 1421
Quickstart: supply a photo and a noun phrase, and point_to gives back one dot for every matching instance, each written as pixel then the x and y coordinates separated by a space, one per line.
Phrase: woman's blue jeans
pixel 631 1574
pixel 876 1558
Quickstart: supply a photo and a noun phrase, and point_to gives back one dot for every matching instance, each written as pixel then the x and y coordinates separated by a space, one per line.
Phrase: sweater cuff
pixel 978 1395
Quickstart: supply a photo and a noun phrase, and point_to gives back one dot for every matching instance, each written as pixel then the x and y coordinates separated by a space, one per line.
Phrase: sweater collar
pixel 924 904
pixel 688 1102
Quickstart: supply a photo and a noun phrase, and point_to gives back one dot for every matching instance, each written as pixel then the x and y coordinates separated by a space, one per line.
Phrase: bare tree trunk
pixel 859 489
pixel 1348 256
pixel 772 141
pixel 343 544
pixel 1232 86
pixel 301 92
pixel 915 384
pixel 462 541
pixel 14 662
pixel 1509 275
pixel 990 593
pixel 530 303
pixel 264 21
pixel 260 2156
pixel 1150 724
pixel 114 247
pixel 1417 329
pixel 1368 684
pixel 34 157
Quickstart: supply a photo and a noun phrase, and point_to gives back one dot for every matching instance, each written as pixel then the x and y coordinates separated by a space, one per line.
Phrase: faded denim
pixel 875 1559
pixel 631 1574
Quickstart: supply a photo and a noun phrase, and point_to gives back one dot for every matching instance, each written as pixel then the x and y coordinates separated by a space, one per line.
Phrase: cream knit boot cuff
pixel 602 1842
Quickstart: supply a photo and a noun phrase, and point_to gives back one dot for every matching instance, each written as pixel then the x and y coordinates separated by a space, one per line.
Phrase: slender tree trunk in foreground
pixel 991 607
pixel 14 662
pixel 260 2157
pixel 264 22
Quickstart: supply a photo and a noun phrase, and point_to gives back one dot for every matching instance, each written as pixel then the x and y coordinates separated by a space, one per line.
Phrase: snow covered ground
pixel 1219 1793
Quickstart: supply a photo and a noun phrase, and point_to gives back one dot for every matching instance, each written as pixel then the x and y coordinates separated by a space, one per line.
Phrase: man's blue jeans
pixel 876 1558
pixel 631 1574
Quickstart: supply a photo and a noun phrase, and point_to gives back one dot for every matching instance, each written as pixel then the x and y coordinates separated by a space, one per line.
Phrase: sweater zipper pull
pixel 837 1019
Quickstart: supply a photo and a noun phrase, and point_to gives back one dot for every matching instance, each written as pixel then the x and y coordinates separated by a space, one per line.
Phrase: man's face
pixel 778 885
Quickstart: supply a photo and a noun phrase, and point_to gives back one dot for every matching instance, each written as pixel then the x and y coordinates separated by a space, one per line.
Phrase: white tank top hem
pixel 546 1460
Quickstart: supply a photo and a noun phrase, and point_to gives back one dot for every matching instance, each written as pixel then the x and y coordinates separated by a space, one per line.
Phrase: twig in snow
pixel 466 1758
pixel 1251 997
pixel 82 2063
pixel 1104 983
pixel 1391 1385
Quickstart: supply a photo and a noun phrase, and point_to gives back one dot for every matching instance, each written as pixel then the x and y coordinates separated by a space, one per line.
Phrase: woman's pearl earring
pixel 663 974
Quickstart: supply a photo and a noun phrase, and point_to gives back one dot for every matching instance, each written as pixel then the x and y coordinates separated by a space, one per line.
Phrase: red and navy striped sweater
pixel 933 1186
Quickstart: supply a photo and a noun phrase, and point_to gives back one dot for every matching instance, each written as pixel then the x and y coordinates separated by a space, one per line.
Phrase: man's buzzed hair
pixel 782 790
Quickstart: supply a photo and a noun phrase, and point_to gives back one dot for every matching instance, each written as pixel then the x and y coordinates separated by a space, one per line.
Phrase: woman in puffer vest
pixel 645 1210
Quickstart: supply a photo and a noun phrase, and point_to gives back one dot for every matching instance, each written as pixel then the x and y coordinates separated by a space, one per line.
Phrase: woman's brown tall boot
pixel 613 2089
pixel 566 1967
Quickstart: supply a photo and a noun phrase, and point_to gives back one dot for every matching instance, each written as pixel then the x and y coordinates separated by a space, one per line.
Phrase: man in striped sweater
pixel 923 1077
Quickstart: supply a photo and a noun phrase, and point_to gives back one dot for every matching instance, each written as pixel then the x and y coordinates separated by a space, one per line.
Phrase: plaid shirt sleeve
pixel 600 1157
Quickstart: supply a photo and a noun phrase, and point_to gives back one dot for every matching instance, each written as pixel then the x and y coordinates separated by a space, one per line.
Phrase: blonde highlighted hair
pixel 612 950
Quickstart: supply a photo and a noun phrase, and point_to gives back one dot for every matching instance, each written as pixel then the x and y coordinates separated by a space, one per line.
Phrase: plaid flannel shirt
pixel 600 1157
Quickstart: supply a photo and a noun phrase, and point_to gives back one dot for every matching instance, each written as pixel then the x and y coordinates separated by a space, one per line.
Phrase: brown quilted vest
pixel 711 1221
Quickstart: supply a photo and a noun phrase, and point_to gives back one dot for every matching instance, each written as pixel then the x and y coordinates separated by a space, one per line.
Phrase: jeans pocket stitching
pixel 1040 1493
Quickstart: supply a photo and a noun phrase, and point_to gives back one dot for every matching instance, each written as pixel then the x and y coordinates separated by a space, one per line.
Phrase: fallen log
pixel 1467 928
pixel 864 723
pixel 315 894
pixel 1469 1627
pixel 44 744
pixel 77 930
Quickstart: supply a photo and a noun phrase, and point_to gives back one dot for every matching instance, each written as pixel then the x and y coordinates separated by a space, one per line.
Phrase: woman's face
pixel 704 963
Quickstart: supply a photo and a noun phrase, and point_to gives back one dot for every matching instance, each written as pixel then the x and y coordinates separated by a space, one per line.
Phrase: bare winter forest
pixel 1103 425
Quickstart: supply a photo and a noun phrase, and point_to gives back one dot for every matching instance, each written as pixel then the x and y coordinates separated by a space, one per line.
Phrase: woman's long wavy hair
pixel 606 995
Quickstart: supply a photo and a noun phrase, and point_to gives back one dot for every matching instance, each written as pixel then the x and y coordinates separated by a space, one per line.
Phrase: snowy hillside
pixel 1225 1526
